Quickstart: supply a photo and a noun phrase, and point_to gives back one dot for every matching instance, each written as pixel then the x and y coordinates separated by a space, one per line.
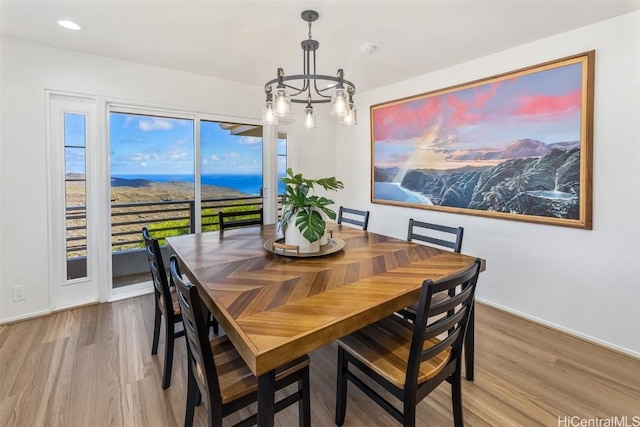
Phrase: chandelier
pixel 309 88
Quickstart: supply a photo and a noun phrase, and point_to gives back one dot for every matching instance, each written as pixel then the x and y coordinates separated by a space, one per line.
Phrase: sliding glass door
pixel 173 173
pixel 231 172
pixel 152 185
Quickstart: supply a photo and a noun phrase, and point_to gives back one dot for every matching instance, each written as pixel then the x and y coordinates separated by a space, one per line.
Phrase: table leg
pixel 266 399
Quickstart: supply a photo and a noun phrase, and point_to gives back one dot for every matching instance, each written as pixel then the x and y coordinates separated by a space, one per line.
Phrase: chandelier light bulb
pixel 282 102
pixel 268 115
pixel 339 105
pixel 309 118
pixel 351 118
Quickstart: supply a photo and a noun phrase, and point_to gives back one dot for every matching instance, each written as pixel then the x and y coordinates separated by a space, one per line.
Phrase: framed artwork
pixel 513 146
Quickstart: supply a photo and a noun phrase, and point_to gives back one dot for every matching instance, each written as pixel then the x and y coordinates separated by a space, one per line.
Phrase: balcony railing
pixel 162 218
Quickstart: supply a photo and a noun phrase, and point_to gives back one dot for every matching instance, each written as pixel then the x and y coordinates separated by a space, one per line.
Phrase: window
pixel 75 166
pixel 231 175
pixel 282 160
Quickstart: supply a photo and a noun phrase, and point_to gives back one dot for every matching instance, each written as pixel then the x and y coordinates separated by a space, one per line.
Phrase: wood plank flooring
pixel 92 366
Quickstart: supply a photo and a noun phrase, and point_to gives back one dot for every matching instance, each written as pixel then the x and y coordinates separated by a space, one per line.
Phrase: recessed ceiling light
pixel 69 25
pixel 368 49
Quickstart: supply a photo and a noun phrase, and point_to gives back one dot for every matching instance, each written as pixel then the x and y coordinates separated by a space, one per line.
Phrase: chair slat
pixel 448 303
pixel 226 219
pixel 361 220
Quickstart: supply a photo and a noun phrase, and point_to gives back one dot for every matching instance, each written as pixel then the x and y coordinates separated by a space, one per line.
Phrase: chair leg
pixel 156 329
pixel 213 322
pixel 410 412
pixel 168 355
pixel 198 396
pixel 456 399
pixel 192 397
pixel 304 406
pixel 341 387
pixel 215 417
pixel 469 345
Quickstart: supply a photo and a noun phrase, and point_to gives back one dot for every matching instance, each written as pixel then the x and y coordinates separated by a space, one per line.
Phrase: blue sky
pixel 74 141
pixel 150 145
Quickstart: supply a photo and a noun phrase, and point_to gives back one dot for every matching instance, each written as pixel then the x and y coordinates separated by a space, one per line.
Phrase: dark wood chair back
pixel 158 272
pixel 451 238
pixel 446 320
pixel 240 219
pixel 431 230
pixel 353 216
pixel 165 305
pixel 410 359
pixel 210 360
pixel 198 344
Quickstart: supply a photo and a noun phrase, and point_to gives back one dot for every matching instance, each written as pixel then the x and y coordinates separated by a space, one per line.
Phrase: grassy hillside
pixel 174 216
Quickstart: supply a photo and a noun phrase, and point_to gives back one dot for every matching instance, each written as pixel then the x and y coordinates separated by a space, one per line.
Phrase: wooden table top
pixel 277 308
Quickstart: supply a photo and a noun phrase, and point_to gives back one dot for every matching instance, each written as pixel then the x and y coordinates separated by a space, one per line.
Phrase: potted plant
pixel 302 219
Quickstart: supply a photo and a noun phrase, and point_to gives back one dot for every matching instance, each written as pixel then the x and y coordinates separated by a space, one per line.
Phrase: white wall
pixel 27 69
pixel 583 282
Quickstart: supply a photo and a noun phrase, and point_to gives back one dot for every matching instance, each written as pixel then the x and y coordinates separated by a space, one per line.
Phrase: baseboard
pixel 27 316
pixel 117 294
pixel 131 291
pixel 571 332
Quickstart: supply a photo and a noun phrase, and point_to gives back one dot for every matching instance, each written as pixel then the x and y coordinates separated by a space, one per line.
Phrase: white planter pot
pixel 293 236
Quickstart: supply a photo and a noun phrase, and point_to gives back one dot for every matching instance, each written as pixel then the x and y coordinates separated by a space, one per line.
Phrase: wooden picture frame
pixel 514 146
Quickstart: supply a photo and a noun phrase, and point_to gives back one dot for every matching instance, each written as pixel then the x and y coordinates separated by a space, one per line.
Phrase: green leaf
pixel 310 224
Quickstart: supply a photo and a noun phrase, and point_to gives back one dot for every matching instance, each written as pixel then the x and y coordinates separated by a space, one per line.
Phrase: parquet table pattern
pixel 277 308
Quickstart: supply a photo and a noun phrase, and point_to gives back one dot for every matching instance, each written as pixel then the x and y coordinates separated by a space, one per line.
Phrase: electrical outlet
pixel 19 293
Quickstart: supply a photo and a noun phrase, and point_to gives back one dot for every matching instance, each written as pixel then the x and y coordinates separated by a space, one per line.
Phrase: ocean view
pixel 248 184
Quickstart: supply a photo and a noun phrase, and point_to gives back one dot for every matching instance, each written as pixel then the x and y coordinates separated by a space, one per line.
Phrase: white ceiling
pixel 247 40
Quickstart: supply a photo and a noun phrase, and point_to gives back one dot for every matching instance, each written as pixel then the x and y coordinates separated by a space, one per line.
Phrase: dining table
pixel 278 305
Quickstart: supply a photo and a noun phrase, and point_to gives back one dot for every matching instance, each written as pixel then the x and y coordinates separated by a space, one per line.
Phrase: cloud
pixel 133 139
pixel 171 153
pixel 214 158
pixel 406 120
pixel 549 104
pixel 155 124
pixel 143 164
pixel 470 106
pixel 137 157
pixel 249 140
pixel 233 154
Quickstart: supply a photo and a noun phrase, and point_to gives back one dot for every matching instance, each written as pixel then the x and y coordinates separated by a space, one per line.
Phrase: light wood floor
pixel 92 366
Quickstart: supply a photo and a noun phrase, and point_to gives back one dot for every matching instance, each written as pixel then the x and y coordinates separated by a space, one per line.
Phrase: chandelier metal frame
pixel 308 89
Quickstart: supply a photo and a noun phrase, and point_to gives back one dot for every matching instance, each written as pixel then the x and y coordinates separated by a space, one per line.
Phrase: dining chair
pixel 231 219
pixel 435 234
pixel 217 373
pixel 411 359
pixel 449 238
pixel 166 305
pixel 354 216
